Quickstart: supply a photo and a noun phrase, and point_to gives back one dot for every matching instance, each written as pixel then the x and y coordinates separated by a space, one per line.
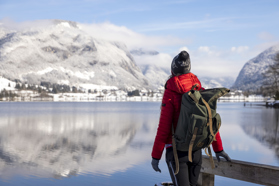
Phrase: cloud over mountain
pixel 62 52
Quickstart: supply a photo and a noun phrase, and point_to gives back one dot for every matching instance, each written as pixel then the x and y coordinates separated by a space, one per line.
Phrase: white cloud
pixel 132 39
pixel 263 46
pixel 206 60
pixel 240 49
pixel 12 25
pixel 204 49
pixel 216 62
pixel 214 66
pixel 161 60
pixel 208 51
pixel 106 31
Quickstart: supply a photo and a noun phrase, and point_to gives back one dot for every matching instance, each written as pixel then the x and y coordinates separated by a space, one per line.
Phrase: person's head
pixel 181 64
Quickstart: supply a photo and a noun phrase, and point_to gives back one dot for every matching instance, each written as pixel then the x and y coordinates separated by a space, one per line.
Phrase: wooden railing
pixel 240 170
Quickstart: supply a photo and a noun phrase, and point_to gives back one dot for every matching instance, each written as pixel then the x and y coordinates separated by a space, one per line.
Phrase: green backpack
pixel 198 122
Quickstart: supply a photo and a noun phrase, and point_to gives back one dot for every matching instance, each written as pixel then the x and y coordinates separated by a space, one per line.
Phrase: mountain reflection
pixel 264 128
pixel 64 144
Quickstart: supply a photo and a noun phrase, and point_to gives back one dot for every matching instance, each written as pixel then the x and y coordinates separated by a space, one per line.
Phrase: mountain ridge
pixel 250 77
pixel 63 53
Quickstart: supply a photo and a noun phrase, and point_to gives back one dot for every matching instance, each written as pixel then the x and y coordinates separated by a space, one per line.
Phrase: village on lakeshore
pixel 12 91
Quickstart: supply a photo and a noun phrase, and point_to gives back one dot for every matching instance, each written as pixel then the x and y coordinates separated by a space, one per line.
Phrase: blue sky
pixel 223 33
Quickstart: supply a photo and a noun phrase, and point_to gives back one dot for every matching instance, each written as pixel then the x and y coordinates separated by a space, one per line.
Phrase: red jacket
pixel 170 109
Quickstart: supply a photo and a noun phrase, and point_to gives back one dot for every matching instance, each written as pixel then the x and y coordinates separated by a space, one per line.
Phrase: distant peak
pixel 274 48
pixel 141 51
pixel 65 23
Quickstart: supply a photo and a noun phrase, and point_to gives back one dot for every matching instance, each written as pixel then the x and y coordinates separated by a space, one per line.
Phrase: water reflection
pixel 112 142
pixel 263 127
pixel 64 143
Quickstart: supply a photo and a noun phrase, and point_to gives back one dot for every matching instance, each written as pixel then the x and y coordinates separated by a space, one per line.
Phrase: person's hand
pixel 155 165
pixel 222 154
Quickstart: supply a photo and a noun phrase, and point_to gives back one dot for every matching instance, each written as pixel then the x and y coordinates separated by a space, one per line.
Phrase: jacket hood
pixel 183 83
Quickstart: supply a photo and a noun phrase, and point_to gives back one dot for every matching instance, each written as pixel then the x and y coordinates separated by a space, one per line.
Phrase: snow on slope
pixel 153 66
pixel 63 53
pixel 158 75
pixel 6 84
pixel 208 82
pixel 250 77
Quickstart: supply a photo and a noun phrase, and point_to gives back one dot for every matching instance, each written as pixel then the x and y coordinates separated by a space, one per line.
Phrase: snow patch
pixel 111 73
pixel 97 87
pixel 6 84
pixel 84 75
pixel 64 82
pixel 65 24
pixel 48 69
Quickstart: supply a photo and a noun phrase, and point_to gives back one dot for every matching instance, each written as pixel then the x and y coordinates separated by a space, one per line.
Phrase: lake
pixel 110 143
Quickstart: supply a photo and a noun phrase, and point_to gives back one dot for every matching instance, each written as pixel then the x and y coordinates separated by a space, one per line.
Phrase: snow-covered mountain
pixel 250 76
pixel 148 61
pixel 209 82
pixel 62 52
pixel 142 51
pixel 158 75
pixel 6 84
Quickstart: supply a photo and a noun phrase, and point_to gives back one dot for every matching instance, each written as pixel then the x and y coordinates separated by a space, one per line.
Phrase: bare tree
pixel 271 79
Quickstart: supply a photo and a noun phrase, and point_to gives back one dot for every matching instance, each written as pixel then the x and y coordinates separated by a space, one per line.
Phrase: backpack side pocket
pixel 200 123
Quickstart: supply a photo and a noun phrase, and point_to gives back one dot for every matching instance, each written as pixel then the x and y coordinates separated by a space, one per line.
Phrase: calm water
pixel 109 143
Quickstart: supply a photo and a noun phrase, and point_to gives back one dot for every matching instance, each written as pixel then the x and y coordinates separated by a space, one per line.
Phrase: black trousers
pixel 188 171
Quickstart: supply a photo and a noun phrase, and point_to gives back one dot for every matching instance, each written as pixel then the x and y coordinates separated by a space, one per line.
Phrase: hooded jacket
pixel 174 89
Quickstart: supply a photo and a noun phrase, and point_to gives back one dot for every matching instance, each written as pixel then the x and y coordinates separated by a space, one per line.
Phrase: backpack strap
pixel 191 144
pixel 194 86
pixel 210 156
pixel 210 117
pixel 175 152
pixel 193 97
pixel 191 93
pixel 206 151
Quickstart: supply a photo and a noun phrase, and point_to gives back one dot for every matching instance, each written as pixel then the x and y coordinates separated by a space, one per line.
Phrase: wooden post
pixel 207 179
pixel 200 179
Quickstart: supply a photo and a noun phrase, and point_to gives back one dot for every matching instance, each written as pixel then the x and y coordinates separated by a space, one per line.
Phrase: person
pixel 180 82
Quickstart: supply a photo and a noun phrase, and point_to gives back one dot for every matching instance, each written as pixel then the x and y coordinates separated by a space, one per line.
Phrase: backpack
pixel 198 122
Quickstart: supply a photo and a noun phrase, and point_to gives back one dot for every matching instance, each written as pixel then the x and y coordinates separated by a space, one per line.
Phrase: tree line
pixel 7 93
pixel 47 87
